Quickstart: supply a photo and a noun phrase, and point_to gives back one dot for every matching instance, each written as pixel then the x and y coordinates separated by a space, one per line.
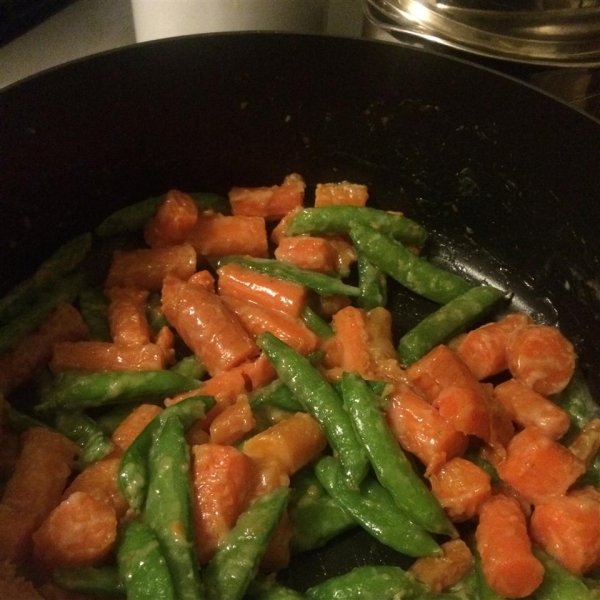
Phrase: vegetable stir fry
pixel 203 388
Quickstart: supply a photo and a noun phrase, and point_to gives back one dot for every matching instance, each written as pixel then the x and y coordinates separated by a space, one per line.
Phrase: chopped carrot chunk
pixel 233 423
pixel 307 252
pixel 352 194
pixel 586 443
pixel 464 409
pixel 173 221
pixel 127 316
pixel 133 424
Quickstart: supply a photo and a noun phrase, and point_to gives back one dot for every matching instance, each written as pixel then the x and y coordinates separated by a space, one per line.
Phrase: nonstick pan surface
pixel 506 178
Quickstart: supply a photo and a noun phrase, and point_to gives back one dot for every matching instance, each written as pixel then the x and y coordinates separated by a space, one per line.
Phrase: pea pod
pixel 372 283
pixel 168 506
pixel 95 581
pixel 93 306
pixel 190 366
pixel 269 590
pixel 447 321
pixel 111 418
pixel 392 467
pixel 319 399
pixel 316 323
pixel 577 400
pixel 276 394
pixel 413 272
pixel 142 565
pixel 236 561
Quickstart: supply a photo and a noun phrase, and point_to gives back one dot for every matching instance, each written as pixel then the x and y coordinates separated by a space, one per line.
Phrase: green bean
pixel 315 516
pixel 319 399
pixel 95 581
pixel 372 283
pixel 318 282
pixel 269 590
pixel 276 394
pixel 76 390
pixel 86 433
pixel 133 470
pixel 447 321
pixel 64 290
pixel 52 270
pixel 316 323
pixel 577 400
pixel 93 306
pixel 133 217
pixel 391 465
pixel 484 591
pixel 374 508
pixel 142 565
pixel 487 466
pixel 236 560
pixel 340 219
pixel 190 366
pixel 369 583
pixel 413 272
pixel 20 421
pixel 110 419
pixel 168 506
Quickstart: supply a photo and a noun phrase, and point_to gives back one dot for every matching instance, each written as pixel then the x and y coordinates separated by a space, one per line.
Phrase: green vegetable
pixel 110 419
pixel 269 590
pixel 276 394
pixel 372 283
pixel 93 306
pixel 316 323
pixel 95 581
pixel 190 366
pixel 577 400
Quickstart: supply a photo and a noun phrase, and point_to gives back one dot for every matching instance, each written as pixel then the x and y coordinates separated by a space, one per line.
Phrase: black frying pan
pixel 505 178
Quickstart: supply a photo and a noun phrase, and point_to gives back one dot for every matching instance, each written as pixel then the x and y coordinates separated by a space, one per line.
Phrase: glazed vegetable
pixel 95 581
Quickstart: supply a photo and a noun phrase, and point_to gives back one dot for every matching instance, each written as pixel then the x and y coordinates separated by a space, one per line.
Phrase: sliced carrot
pixel 18 365
pixel 233 423
pixel 540 357
pixel 507 561
pixel 15 587
pixel 483 349
pixel 352 340
pixel 586 443
pixel 272 203
pixel 269 292
pixel 106 356
pixel 527 407
pixel 127 316
pixel 345 253
pixel 420 429
pixel 165 341
pixel 278 553
pixel 204 279
pixel 80 531
pixel 269 475
pixel 147 267
pixel 257 319
pixel 222 480
pixel 206 325
pixel 352 194
pixel 329 305
pixel 307 252
pixel 464 409
pixel 379 332
pixel 17 527
pixel 217 235
pixel 293 443
pixel 173 221
pixel 133 424
pixel 568 528
pixel 9 451
pixel 539 468
pixel 461 488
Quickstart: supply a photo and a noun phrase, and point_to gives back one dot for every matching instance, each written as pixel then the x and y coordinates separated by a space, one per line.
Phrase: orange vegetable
pixel 466 411
pixel 14 586
pixel 329 305
pixel 206 325
pixel 568 528
pixel 483 349
pixel 269 292
pixel 421 430
pixel 278 233
pixel 217 235
pixel 527 407
pixel 165 342
pixel 461 488
pixel 379 332
pixel 272 203
pixel 586 443
pixel 133 424
pixel 127 316
pixel 80 531
pixel 539 468
pixel 345 252
pixel 233 423
pixel 18 365
pixel 307 252
pixel 508 564
pixel 352 194
pixel 257 319
pixel 222 480
pixel 540 357
pixel 173 221
pixel 278 553
pixel 204 279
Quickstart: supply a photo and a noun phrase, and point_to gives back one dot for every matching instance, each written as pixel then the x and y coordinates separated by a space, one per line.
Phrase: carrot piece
pixel 204 279
pixel 272 203
pixel 527 407
pixel 586 443
pixel 18 365
pixel 461 488
pixel 269 292
pixel 15 587
pixel 206 325
pixel 379 332
pixel 537 467
pixel 222 479
pixel 17 528
pixel 483 349
pixel 278 233
pixel 99 480
pixel 329 305
pixel 439 573
pixel 307 252
pixel 256 319
pixel 278 553
pixel 217 235
pixel 352 194
pixel 146 268
pixel 540 357
pixel 352 339
pixel 127 316
pixel 507 561
pixel 345 253
pixel 133 424
pixel 420 429
pixel 293 443
pixel 233 423
pixel 165 342
pixel 80 531
pixel 174 220
pixel 568 528
pixel 464 409
pixel 106 356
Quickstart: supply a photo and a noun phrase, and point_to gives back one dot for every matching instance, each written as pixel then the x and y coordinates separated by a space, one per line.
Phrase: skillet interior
pixel 504 177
